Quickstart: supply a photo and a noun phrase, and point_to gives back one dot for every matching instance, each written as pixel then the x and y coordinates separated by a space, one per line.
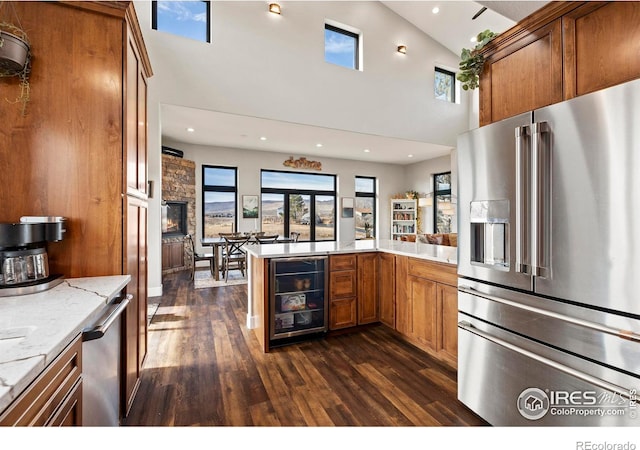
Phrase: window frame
pixel 373 195
pixel 351 34
pixel 453 83
pixel 219 188
pixel 154 21
pixel 436 193
pixel 286 192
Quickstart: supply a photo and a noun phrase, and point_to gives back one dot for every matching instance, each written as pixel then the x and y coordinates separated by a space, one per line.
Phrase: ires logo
pixel 534 403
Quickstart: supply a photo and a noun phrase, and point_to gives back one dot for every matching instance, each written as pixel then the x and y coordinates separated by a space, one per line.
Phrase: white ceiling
pixel 453 27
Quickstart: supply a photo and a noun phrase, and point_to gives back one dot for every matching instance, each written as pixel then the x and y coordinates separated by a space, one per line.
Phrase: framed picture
pixel 347 207
pixel 249 206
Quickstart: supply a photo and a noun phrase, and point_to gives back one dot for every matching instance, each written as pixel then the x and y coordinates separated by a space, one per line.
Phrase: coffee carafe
pixel 23 254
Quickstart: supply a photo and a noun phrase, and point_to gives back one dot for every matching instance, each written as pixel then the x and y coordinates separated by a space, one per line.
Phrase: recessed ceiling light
pixel 409 156
pixel 190 130
pixel 366 150
pixel 318 145
pixel 435 10
pixel 263 138
pixel 474 39
pixel 402 49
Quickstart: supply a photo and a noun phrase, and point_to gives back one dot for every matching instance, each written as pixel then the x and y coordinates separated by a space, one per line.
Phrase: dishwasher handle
pixel 116 308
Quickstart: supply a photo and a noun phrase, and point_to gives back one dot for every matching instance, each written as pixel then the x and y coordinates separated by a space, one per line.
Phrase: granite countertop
pixel 35 328
pixel 438 253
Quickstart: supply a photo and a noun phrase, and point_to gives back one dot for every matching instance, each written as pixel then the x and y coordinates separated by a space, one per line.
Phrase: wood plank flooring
pixel 204 367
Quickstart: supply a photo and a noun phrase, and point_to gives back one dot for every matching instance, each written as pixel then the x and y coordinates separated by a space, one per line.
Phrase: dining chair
pixel 195 257
pixel 267 239
pixel 294 236
pixel 233 257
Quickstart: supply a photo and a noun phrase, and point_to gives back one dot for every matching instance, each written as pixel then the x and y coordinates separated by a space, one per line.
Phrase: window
pixel 444 209
pixel 219 200
pixel 301 202
pixel 445 85
pixel 188 19
pixel 365 205
pixel 341 47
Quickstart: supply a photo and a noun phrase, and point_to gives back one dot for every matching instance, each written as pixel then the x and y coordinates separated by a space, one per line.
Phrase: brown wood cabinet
pixel 172 255
pixel 387 288
pixel 80 150
pixel 353 290
pixel 55 396
pixel 342 291
pixel 427 306
pixel 368 302
pixel 563 50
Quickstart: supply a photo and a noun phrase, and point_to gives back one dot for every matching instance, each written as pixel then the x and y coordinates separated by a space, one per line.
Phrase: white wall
pixel 390 180
pixel 263 65
pixel 420 177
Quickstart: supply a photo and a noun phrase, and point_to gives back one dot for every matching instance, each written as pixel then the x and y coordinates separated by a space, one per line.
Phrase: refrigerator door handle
pixel 523 195
pixel 623 392
pixel 623 334
pixel 541 198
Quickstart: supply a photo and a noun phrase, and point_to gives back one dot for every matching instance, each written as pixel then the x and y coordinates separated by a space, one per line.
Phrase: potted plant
pixel 367 230
pixel 15 56
pixel 472 61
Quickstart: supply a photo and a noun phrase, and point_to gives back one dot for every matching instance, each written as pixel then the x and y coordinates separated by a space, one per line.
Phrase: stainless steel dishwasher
pixel 101 374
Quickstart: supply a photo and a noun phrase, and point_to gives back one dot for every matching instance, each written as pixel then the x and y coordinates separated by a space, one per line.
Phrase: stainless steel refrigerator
pixel 549 264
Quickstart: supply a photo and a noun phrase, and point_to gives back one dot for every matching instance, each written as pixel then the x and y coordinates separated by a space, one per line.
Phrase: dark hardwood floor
pixel 204 367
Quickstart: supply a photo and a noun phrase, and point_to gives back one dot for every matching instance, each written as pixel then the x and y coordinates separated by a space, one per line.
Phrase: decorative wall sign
pixel 302 163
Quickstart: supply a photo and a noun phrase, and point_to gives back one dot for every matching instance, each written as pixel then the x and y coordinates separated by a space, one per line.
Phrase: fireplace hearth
pixel 174 219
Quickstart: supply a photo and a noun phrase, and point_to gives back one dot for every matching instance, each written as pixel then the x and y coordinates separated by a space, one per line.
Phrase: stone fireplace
pixel 178 211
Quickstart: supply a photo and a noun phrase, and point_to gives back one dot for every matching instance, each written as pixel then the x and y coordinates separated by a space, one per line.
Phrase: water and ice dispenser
pixel 490 233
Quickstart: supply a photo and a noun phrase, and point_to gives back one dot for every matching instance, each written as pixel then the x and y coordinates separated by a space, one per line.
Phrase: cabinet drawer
pixel 442 273
pixel 38 405
pixel 342 262
pixel 342 313
pixel 342 284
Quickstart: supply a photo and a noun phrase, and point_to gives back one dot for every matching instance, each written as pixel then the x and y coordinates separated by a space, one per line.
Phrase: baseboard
pixel 154 291
pixel 251 321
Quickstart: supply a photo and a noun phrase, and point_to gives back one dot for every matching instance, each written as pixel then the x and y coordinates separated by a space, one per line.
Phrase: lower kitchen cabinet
pixel 353 290
pixel 427 306
pixel 387 288
pixel 55 397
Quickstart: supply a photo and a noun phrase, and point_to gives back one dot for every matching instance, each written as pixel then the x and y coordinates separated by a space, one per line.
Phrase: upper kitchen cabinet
pixel 563 50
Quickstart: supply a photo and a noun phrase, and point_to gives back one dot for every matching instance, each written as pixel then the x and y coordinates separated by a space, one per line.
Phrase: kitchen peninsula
pixel 407 286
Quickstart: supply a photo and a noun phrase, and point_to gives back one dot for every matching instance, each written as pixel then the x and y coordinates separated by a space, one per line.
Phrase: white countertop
pixel 439 253
pixel 49 321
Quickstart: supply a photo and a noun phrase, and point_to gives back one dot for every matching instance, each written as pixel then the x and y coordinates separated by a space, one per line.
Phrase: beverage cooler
pixel 298 298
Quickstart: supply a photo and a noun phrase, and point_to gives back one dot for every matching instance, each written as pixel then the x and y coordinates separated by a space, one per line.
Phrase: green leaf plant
pixel 472 61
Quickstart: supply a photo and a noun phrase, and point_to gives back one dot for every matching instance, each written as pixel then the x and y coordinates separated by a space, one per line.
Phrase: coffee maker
pixel 23 254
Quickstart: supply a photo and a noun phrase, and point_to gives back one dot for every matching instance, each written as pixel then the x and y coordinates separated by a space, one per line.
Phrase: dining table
pixel 217 242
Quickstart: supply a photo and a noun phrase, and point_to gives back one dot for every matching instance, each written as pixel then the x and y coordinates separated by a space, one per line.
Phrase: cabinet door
pixel 423 297
pixel 342 262
pixel 523 75
pixel 602 45
pixel 386 288
pixel 403 305
pixel 342 313
pixel 368 309
pixel 136 120
pixel 448 305
pixel 135 316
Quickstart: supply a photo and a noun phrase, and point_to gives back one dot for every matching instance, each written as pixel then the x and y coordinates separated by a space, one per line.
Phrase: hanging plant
pixel 15 57
pixel 472 61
